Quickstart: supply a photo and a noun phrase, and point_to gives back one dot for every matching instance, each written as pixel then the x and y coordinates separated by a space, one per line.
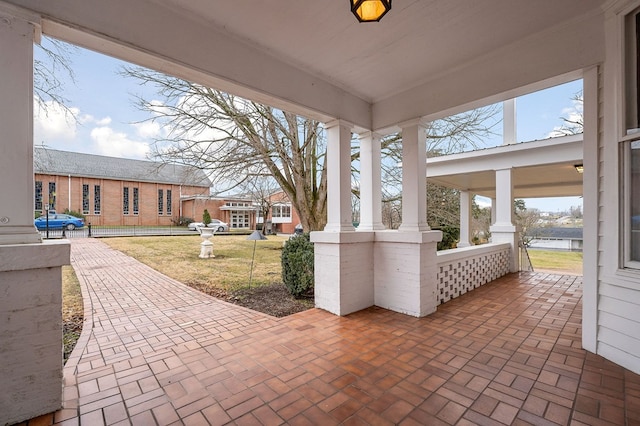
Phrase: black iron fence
pixel 117 231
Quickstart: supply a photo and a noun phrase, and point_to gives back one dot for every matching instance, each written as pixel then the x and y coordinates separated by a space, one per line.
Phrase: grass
pixel 72 309
pixel 177 257
pixel 560 261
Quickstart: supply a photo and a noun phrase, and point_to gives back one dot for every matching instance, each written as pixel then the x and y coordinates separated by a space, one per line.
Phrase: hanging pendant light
pixel 370 10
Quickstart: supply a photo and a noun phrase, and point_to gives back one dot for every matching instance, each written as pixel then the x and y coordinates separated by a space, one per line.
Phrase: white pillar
pixel 30 271
pixel 414 177
pixel 504 230
pixel 509 122
pixel 338 176
pixel 466 199
pixel 16 138
pixel 370 183
pixel 493 210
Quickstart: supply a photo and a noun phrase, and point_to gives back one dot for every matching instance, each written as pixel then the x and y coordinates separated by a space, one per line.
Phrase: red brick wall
pixel 111 208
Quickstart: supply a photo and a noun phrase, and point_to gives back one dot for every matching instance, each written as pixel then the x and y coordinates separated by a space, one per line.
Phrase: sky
pixel 109 123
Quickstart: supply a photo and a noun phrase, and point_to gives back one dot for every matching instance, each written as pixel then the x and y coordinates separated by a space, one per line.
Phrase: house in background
pixel 282 217
pixel 114 191
pixel 238 211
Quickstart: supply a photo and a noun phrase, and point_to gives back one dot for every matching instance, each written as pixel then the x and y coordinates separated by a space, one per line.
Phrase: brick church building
pixel 119 191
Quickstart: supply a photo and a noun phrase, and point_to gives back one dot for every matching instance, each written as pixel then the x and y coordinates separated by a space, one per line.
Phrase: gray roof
pixel 556 233
pixel 54 162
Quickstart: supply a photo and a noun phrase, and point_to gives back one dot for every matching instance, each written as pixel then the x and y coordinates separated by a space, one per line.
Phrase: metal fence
pixel 117 231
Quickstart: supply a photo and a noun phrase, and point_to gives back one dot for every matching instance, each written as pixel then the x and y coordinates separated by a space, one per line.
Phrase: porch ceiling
pixel 543 168
pixel 425 57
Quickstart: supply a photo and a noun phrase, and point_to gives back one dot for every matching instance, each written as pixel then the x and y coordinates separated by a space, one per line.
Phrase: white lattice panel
pixel 460 276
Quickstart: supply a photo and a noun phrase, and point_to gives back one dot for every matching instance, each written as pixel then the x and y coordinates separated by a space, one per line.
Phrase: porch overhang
pixel 544 168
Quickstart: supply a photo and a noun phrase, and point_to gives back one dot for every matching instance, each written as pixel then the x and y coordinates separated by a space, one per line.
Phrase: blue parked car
pixel 59 221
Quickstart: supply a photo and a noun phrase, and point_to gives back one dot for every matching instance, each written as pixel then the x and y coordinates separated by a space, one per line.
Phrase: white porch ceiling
pixel 424 57
pixel 543 168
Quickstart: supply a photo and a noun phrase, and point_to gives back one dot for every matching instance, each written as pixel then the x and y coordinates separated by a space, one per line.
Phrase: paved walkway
pixel 153 351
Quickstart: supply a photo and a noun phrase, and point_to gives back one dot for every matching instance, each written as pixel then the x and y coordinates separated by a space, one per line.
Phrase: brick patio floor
pixel 153 351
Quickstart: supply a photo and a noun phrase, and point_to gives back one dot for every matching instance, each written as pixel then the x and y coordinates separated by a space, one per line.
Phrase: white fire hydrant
pixel 206 246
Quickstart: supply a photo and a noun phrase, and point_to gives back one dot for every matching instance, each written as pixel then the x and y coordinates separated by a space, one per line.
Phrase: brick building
pixel 119 191
pixel 114 191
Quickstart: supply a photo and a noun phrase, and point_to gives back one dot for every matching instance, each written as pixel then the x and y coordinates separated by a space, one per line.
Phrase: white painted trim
pixel 590 210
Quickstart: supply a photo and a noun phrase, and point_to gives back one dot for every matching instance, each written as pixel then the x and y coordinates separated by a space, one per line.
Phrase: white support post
pixel 370 183
pixel 338 177
pixel 509 122
pixel 17 36
pixel 414 177
pixel 30 270
pixel 466 198
pixel 504 230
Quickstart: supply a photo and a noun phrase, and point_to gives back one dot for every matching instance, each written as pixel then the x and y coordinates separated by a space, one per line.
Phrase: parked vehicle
pixel 216 224
pixel 59 221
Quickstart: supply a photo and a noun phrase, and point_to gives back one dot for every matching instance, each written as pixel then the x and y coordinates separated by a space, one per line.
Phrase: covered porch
pixel 154 351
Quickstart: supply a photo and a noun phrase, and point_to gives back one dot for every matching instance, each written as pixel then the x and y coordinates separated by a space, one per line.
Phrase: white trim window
pixel 281 213
pixel 630 146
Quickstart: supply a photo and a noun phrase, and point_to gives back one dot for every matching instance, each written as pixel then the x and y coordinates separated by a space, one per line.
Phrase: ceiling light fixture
pixel 579 168
pixel 370 10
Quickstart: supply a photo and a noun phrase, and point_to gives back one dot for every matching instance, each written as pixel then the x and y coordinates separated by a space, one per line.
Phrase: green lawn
pixel 177 257
pixel 561 261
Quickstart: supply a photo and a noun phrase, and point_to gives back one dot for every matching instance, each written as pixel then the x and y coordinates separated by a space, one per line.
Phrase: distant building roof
pixel 54 162
pixel 556 233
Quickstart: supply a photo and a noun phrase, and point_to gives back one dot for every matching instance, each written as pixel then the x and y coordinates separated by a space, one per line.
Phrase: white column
pixel 338 176
pixel 466 199
pixel 509 122
pixel 493 210
pixel 504 230
pixel 414 177
pixel 370 183
pixel 16 138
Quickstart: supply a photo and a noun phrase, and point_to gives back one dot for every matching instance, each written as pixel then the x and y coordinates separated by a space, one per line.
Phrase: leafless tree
pixel 261 189
pixel 233 138
pixel 573 123
pixel 50 69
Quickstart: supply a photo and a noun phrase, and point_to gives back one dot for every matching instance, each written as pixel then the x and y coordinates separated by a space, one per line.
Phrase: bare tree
pixel 527 220
pixel 573 123
pixel 261 189
pixel 233 138
pixel 48 71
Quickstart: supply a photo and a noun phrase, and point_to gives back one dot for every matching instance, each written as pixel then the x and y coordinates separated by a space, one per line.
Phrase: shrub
pixel 297 265
pixel 181 221
pixel 450 237
pixel 206 217
pixel 74 213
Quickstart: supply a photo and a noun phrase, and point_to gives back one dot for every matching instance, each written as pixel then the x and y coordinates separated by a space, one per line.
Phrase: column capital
pixel 420 122
pixel 369 134
pixel 338 122
pixel 23 21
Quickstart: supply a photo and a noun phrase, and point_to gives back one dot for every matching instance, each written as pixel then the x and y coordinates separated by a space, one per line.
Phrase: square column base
pixel 343 271
pixel 508 234
pixel 406 271
pixel 31 324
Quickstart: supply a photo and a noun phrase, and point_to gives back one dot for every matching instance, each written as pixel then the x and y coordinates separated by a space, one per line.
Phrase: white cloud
pixel 572 114
pixel 108 142
pixel 104 121
pixel 54 123
pixel 147 129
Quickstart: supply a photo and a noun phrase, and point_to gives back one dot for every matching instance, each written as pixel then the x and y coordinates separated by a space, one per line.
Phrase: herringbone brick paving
pixel 156 352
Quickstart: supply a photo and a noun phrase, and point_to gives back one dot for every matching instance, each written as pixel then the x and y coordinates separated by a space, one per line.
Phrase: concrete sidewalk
pixel 153 351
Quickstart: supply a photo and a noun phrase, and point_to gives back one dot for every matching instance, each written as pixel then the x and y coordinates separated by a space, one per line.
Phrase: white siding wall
pixel 618 289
